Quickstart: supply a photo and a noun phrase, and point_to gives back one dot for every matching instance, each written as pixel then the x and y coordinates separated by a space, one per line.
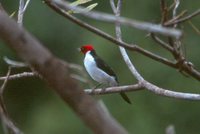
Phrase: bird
pixel 98 70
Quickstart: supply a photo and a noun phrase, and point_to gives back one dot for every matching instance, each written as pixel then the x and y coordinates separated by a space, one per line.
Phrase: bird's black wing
pixel 101 64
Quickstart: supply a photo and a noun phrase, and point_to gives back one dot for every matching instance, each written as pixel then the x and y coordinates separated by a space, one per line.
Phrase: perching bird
pixel 99 70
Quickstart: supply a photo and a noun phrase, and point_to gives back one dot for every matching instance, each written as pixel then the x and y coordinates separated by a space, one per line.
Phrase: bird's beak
pixel 79 49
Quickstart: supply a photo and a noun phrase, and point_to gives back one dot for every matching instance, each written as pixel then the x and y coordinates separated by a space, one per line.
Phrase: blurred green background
pixel 38 110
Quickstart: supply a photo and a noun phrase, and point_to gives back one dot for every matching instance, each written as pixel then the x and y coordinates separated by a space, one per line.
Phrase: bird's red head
pixel 84 49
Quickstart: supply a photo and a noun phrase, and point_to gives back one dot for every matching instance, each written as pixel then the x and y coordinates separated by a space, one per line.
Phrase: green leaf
pixel 79 2
pixel 12 14
pixel 90 7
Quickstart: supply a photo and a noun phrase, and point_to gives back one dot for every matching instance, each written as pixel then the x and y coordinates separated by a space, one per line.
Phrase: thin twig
pixel 26 5
pixel 112 4
pixel 5 80
pixel 3 111
pixel 197 12
pixel 177 3
pixel 110 90
pixel 9 126
pixel 7 121
pixel 20 75
pixel 164 11
pixel 161 42
pixel 171 45
pixel 177 17
pixel 194 27
pixel 21 11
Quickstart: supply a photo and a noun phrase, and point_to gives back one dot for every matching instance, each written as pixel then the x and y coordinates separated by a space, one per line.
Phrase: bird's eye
pixel 82 49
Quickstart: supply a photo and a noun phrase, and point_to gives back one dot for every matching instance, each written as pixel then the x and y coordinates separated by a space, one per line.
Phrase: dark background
pixel 38 110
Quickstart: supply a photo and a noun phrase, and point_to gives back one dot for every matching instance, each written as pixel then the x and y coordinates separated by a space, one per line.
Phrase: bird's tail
pixel 125 97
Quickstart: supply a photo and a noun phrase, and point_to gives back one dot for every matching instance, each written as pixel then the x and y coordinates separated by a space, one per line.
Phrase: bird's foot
pixel 98 85
pixel 93 89
pixel 103 89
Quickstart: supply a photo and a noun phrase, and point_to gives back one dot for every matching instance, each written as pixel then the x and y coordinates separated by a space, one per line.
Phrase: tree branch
pixel 21 11
pixel 110 90
pixel 162 43
pixel 20 75
pixel 177 3
pixel 123 21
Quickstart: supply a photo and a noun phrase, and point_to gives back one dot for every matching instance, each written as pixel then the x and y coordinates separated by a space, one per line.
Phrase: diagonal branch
pixel 123 21
pixel 161 42
pixel 20 75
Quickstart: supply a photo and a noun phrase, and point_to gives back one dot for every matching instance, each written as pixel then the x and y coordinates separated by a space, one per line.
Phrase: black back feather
pixel 101 64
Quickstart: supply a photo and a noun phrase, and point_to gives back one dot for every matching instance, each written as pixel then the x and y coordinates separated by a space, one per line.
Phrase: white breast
pixel 96 73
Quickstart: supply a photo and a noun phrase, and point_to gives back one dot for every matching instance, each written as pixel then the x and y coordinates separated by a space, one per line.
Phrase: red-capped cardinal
pixel 99 70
